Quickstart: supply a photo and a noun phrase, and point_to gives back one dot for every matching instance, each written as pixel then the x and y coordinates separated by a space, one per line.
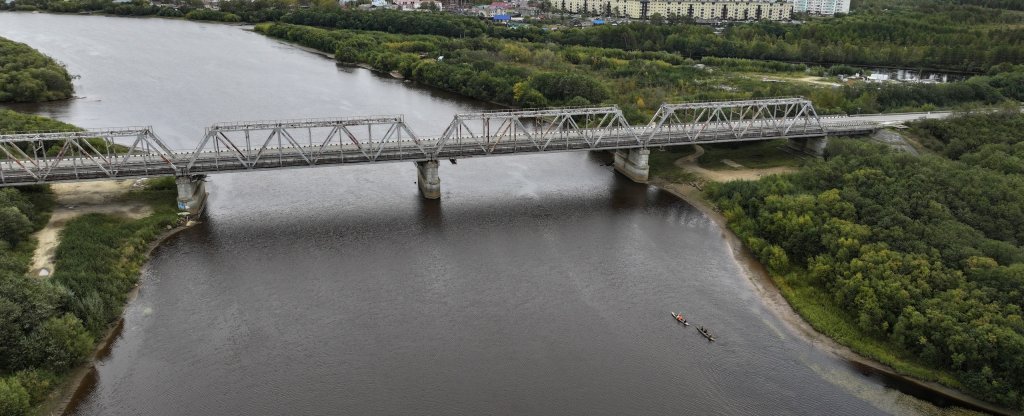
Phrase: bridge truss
pixel 266 144
pixel 138 152
pixel 82 155
pixel 552 129
pixel 689 123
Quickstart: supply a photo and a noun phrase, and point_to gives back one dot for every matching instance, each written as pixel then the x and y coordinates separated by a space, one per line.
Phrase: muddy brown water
pixel 537 284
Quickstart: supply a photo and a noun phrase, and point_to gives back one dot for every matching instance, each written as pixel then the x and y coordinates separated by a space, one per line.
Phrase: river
pixel 537 284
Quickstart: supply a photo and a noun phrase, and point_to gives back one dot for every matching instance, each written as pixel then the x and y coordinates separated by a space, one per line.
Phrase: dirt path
pixel 74 199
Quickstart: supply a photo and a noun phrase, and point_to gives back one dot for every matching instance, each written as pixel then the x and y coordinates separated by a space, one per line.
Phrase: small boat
pixel 705 333
pixel 680 319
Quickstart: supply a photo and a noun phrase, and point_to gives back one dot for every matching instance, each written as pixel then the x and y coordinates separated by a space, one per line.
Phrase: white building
pixel 696 9
pixel 822 7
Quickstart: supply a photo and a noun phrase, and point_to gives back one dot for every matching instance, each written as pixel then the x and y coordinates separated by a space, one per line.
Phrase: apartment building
pixel 701 10
pixel 822 7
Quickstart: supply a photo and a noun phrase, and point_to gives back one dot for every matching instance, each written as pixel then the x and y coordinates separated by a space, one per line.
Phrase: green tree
pixel 59 344
pixel 14 225
pixel 14 400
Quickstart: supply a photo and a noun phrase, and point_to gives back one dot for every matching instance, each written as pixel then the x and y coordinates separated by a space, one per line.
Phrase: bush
pixel 14 400
pixel 59 344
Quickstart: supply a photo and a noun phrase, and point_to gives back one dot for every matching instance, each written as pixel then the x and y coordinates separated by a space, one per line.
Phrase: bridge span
pixel 134 152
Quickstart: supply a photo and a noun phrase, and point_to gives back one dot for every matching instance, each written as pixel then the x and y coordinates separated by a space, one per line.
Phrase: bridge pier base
pixel 812 146
pixel 428 180
pixel 191 193
pixel 633 164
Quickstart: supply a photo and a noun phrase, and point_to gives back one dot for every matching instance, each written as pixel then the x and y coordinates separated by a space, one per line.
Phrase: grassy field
pixel 662 163
pixel 756 155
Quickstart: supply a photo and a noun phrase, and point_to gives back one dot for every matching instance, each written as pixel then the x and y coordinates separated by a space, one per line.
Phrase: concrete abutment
pixel 191 193
pixel 633 164
pixel 428 180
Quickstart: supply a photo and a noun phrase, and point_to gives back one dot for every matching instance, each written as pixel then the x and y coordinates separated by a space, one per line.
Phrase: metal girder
pixel 263 144
pixel 733 120
pixel 81 155
pixel 535 130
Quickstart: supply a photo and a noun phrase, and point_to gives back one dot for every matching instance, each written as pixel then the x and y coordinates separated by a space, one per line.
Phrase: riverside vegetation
pixel 50 325
pixel 917 261
pixel 29 76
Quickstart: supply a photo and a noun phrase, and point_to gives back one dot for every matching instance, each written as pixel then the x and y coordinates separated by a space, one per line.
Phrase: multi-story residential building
pixel 823 7
pixel 696 9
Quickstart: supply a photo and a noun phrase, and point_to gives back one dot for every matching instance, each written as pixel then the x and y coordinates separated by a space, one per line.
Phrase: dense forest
pixel 923 253
pixel 928 35
pixel 49 325
pixel 529 74
pixel 29 76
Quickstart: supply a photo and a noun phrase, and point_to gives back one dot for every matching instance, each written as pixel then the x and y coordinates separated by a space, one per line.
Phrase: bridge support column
pixel 633 164
pixel 427 178
pixel 191 193
pixel 812 146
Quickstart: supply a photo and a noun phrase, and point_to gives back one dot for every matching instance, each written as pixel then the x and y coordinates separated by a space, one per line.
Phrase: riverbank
pixel 74 387
pixel 774 298
pixel 131 200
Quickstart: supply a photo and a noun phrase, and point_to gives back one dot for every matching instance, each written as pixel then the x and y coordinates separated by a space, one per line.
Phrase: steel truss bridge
pixel 133 152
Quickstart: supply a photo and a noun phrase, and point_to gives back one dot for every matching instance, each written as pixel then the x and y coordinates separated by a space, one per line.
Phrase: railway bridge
pixel 135 152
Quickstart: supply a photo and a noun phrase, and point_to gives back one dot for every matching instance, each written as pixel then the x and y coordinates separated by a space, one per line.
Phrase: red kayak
pixel 680 319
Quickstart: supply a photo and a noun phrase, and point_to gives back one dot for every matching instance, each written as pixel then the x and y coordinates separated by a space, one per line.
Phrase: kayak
pixel 677 316
pixel 706 334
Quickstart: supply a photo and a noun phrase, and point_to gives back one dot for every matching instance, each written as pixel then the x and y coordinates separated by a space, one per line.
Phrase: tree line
pixel 29 76
pixel 957 38
pixel 530 74
pixel 923 253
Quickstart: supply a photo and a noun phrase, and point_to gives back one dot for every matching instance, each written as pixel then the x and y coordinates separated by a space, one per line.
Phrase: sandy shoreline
pixel 76 199
pixel 777 303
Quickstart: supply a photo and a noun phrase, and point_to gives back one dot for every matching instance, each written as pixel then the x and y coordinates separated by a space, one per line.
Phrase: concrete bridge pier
pixel 812 146
pixel 191 193
pixel 633 164
pixel 428 180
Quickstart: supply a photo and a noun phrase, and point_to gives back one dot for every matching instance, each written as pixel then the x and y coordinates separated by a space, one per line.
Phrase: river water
pixel 536 285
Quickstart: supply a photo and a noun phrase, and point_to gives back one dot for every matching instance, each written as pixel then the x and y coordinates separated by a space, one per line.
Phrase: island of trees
pixel 29 76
